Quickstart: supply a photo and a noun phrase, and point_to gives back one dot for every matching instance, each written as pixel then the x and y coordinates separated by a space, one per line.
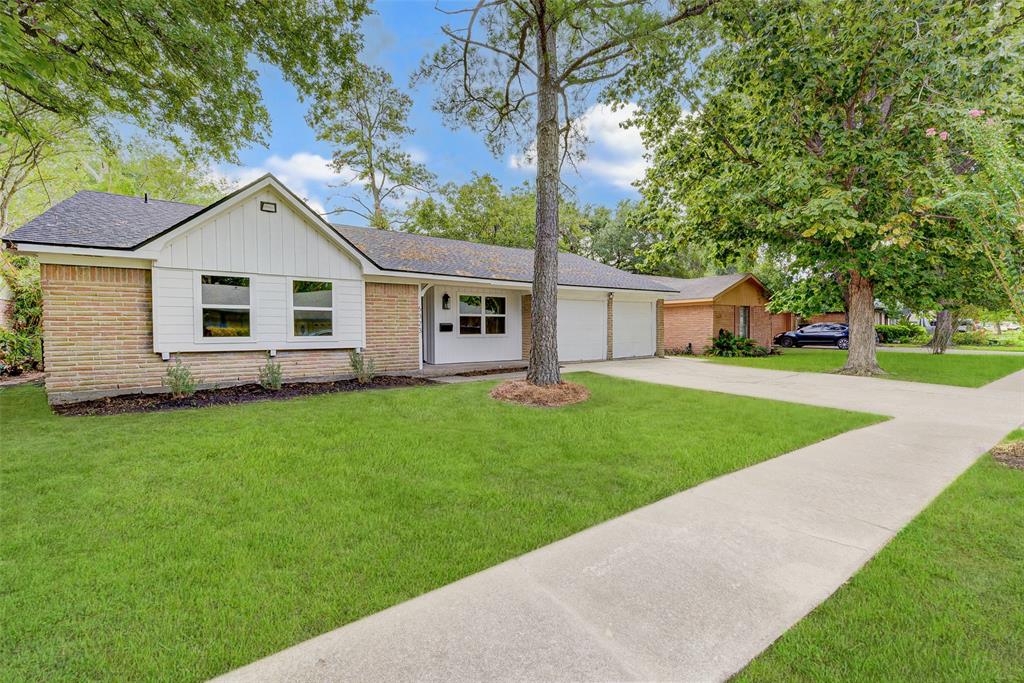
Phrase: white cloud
pixel 614 155
pixel 305 174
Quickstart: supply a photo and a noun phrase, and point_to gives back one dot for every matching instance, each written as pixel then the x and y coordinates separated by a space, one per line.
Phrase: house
pixel 699 307
pixel 882 316
pixel 130 283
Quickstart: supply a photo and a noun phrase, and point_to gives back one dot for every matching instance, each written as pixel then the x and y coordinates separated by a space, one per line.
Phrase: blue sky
pixel 397 38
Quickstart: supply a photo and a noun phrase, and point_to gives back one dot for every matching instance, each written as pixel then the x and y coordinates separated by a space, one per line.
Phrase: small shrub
pixel 728 345
pixel 271 375
pixel 901 333
pixel 179 380
pixel 19 352
pixel 972 338
pixel 362 367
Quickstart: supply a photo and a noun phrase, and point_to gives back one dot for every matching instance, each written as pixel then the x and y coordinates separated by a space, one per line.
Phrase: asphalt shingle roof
pixel 101 220
pixel 687 289
pixel 403 251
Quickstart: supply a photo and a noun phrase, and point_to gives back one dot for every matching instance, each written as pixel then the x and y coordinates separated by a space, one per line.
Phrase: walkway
pixel 694 586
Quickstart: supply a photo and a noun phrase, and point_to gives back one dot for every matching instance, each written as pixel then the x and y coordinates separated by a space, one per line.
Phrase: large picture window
pixel 481 314
pixel 312 308
pixel 226 306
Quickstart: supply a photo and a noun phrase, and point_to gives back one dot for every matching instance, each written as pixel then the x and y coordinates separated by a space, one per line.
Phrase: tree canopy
pixel 181 70
pixel 808 133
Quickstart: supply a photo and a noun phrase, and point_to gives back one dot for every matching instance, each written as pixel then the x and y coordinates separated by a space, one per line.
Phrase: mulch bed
pixel 1010 454
pixel 246 393
pixel 30 377
pixel 551 396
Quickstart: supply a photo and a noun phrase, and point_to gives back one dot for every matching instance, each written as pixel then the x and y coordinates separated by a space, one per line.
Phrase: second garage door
pixel 582 329
pixel 633 329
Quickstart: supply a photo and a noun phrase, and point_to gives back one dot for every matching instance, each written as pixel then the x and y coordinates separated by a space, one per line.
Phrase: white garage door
pixel 633 329
pixel 582 329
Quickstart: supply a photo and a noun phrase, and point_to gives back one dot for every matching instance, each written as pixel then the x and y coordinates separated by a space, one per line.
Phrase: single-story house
pixel 130 283
pixel 882 317
pixel 698 308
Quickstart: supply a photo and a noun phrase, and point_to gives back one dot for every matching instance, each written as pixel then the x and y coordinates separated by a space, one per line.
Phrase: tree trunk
pixel 860 310
pixel 943 333
pixel 543 368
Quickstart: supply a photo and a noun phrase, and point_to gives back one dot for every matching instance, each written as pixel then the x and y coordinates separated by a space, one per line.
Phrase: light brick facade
pixel 659 329
pixel 98 337
pixel 688 325
pixel 782 322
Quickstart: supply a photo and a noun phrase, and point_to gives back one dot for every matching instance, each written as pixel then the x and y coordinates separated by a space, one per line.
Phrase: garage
pixel 582 329
pixel 633 329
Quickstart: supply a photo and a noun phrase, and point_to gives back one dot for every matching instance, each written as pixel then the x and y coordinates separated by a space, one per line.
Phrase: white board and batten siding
pixel 272 250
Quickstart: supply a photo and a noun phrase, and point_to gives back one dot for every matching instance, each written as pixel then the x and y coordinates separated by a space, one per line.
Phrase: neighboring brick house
pixel 131 283
pixel 882 317
pixel 700 307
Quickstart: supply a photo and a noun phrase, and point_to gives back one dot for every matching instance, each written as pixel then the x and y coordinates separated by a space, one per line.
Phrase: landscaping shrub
pixel 901 333
pixel 728 345
pixel 972 338
pixel 179 380
pixel 19 352
pixel 362 367
pixel 271 375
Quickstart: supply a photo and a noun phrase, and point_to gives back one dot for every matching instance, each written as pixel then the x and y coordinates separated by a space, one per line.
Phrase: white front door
pixel 582 329
pixel 633 329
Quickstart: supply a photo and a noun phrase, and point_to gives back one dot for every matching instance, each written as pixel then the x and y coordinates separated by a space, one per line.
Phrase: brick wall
pixel 760 325
pixel 725 319
pixel 98 340
pixel 393 326
pixel 610 330
pixel 687 325
pixel 659 317
pixel 782 322
pixel 527 323
pixel 834 317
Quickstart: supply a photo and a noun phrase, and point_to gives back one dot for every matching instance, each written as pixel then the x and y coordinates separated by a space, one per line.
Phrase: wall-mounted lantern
pixel 446 302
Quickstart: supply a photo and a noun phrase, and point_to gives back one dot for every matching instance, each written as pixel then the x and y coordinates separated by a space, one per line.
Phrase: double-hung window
pixel 481 315
pixel 226 307
pixel 312 308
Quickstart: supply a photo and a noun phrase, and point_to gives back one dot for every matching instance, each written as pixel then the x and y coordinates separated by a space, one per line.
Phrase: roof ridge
pixel 132 196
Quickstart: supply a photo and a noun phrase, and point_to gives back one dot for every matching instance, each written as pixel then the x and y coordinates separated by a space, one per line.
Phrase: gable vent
pixel 269 207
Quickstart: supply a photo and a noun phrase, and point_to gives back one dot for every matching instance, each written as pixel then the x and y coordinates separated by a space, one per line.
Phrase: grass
pixel 959 370
pixel 944 601
pixel 180 545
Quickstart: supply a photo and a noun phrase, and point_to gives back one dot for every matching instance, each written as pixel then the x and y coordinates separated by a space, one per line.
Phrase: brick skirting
pixel 98 337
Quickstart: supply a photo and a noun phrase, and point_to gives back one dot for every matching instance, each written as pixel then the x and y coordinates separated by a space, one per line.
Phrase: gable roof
pixel 100 220
pixel 701 288
pixel 412 253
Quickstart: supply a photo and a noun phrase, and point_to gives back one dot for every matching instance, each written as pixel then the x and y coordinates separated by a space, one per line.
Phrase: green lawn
pixel 944 601
pixel 179 545
pixel 961 370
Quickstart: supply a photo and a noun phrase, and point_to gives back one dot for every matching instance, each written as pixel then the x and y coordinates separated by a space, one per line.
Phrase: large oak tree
pixel 520 71
pixel 804 133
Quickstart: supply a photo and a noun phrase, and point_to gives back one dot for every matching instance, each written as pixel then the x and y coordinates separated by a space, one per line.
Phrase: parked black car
pixel 831 334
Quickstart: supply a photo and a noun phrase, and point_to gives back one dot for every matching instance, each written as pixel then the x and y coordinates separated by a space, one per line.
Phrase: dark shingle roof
pixel 699 287
pixel 403 251
pixel 103 220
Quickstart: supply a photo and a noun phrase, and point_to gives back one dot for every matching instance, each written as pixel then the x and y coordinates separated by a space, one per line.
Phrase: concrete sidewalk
pixel 694 586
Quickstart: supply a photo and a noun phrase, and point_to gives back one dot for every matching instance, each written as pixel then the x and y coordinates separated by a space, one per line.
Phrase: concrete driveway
pixel 694 586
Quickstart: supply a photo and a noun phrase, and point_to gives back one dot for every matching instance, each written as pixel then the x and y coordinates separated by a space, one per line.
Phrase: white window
pixel 481 315
pixel 225 303
pixel 312 308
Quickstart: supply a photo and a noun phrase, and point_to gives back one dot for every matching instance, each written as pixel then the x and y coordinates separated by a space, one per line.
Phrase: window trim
pixel 198 308
pixel 291 308
pixel 483 315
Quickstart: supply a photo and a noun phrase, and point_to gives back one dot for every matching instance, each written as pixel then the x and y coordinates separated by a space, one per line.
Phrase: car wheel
pixel 843 343
pixel 787 342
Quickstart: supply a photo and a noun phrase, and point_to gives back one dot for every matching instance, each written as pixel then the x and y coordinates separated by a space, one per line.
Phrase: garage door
pixel 633 329
pixel 582 329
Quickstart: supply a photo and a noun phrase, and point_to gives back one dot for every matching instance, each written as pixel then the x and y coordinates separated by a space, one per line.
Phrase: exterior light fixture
pixel 446 302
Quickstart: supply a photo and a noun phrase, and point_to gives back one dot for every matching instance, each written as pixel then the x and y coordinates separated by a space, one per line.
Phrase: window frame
pixel 290 293
pixel 483 315
pixel 199 307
